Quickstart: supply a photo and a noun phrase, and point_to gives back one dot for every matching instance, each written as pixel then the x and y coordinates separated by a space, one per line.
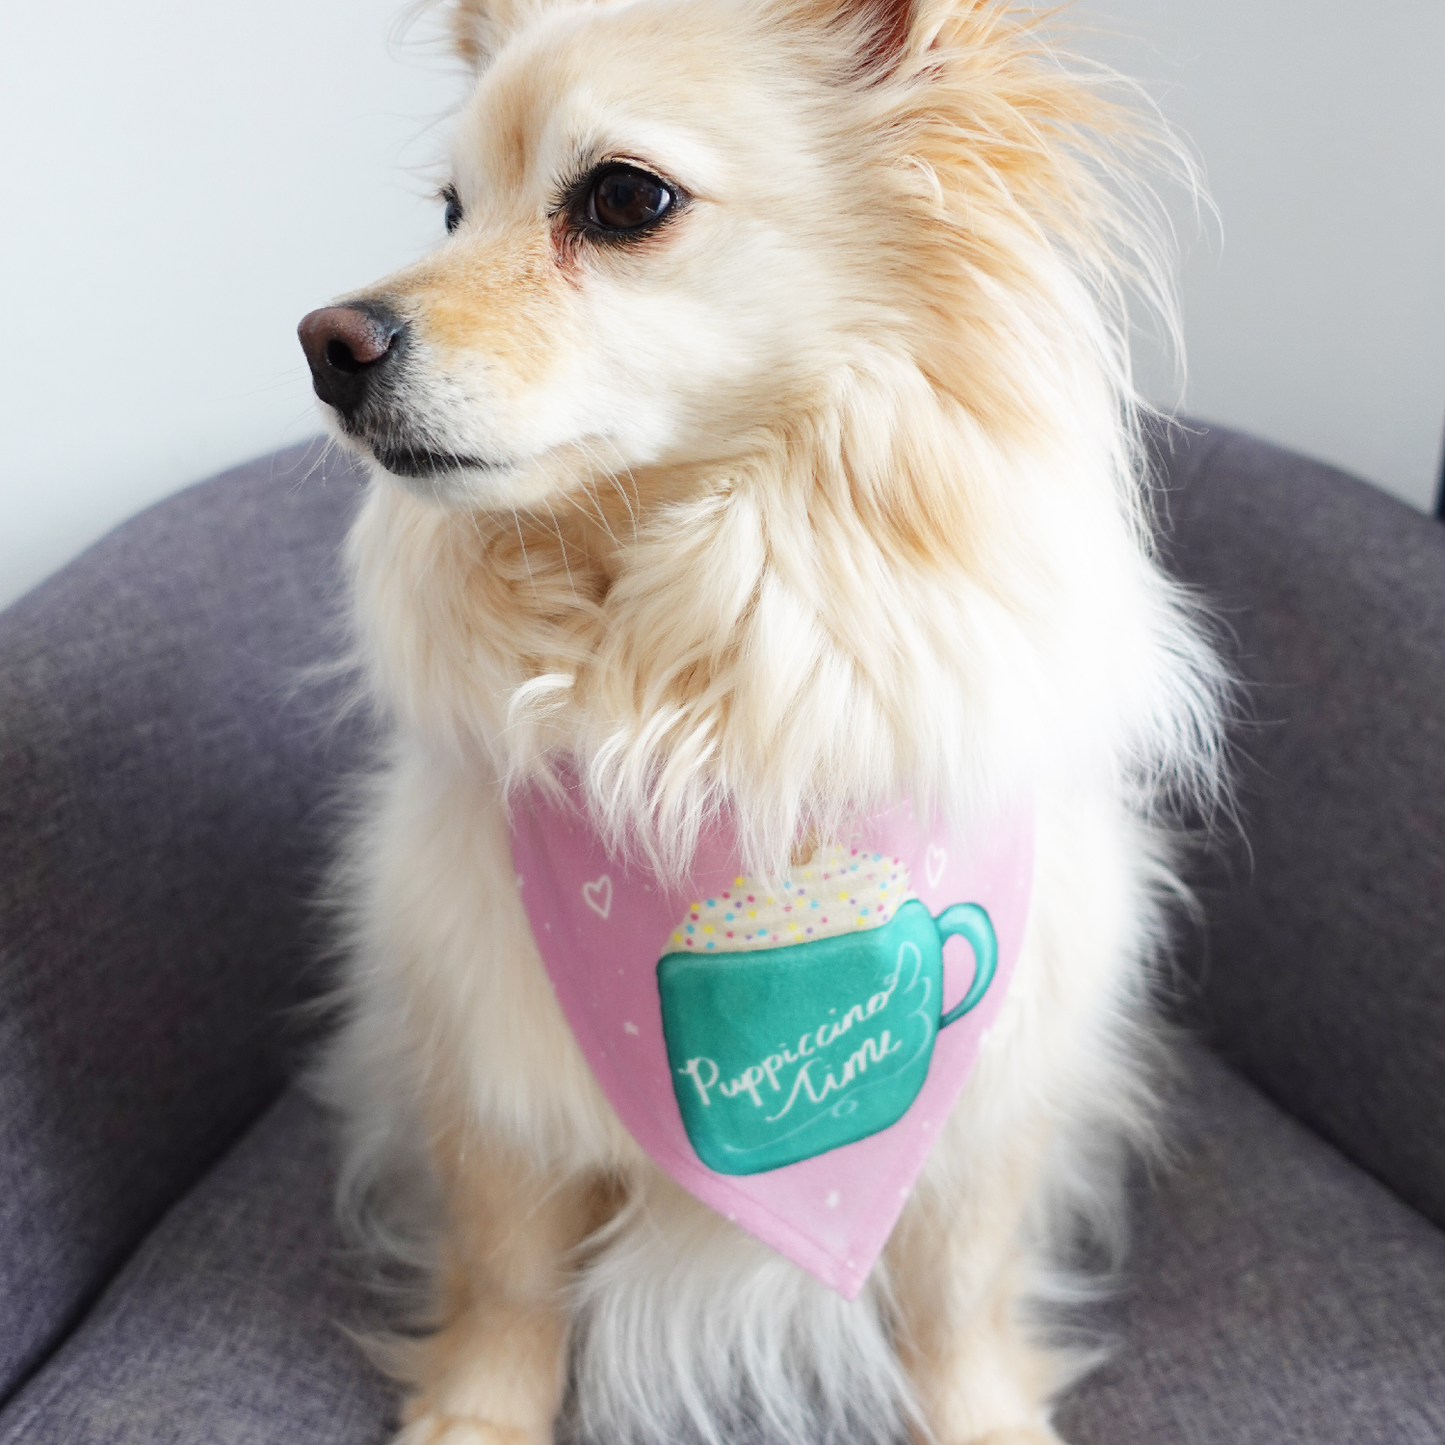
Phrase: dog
pixel 757 451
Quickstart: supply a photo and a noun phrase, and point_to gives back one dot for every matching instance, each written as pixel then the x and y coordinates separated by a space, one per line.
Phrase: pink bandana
pixel 786 1048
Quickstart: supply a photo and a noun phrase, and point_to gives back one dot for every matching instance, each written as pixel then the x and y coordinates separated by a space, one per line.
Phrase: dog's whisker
pixel 610 475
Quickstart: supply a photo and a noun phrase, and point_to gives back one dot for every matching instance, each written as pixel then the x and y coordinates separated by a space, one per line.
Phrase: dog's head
pixel 675 224
pixel 826 294
pixel 654 246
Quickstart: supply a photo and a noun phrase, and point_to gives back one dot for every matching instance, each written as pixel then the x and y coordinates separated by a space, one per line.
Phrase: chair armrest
pixel 1325 979
pixel 163 770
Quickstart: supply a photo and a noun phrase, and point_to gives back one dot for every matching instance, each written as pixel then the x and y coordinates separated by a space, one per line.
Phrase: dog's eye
pixel 453 215
pixel 623 198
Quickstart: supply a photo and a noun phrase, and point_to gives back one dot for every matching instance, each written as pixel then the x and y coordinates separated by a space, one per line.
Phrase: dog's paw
pixel 1008 1435
pixel 1018 1435
pixel 434 1429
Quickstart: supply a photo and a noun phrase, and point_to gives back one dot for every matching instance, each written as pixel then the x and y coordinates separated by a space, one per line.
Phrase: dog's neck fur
pixel 799 633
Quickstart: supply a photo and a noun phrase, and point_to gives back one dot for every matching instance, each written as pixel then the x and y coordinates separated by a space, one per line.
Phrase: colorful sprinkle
pixel 883 886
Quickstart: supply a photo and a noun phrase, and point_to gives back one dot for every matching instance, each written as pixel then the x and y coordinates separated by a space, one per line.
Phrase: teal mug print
pixel 784 1053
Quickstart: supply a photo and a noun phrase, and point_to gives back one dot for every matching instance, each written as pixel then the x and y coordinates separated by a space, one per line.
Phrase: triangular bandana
pixel 785 1049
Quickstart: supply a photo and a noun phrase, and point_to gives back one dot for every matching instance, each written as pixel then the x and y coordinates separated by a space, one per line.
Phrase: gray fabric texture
pixel 1277 1296
pixel 226 1327
pixel 162 776
pixel 1325 978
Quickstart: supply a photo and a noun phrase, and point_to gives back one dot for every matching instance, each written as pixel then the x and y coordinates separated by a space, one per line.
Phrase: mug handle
pixel 970 921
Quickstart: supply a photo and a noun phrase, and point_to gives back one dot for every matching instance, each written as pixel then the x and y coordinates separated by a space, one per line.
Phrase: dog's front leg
pixel 493 1373
pixel 957 1270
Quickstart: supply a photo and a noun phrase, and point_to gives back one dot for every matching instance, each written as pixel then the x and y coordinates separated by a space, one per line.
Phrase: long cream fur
pixel 828 495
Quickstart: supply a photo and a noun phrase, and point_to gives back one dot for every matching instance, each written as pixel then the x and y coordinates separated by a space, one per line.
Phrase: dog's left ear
pixel 889 31
pixel 889 23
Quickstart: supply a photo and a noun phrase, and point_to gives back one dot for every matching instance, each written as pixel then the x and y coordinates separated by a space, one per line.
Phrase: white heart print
pixel 934 862
pixel 597 895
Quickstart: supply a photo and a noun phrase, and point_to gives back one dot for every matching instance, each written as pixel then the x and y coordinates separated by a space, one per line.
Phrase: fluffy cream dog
pixel 761 435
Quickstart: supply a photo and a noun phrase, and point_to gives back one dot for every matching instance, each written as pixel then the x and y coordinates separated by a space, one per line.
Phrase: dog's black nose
pixel 347 346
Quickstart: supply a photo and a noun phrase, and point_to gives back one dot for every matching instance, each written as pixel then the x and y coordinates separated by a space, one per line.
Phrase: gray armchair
pixel 169 769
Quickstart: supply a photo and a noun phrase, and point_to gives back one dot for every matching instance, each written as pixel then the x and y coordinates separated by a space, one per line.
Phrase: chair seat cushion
pixel 228 1326
pixel 1276 1294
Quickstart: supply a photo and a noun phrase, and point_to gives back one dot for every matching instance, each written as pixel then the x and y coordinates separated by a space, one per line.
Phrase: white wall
pixel 180 182
pixel 1320 320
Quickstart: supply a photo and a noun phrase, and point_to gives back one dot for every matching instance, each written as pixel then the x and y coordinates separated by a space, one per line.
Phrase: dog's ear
pixel 886 31
pixel 479 27
pixel 888 25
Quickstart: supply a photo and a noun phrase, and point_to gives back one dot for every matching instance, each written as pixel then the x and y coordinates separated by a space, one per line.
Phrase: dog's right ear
pixel 479 27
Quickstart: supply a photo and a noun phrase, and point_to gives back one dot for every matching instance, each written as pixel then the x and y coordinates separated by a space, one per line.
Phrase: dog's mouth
pixel 424 462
